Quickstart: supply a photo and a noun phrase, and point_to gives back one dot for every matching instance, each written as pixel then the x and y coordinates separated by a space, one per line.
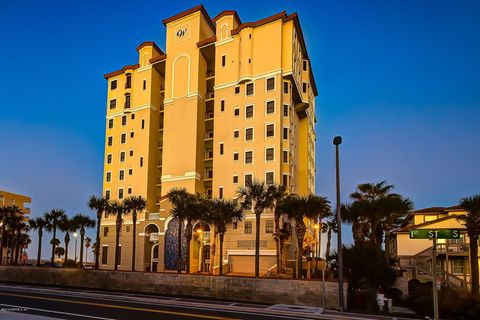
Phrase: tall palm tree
pixel 181 201
pixel 118 210
pixel 82 221
pixel 222 213
pixel 101 206
pixel 279 193
pixel 134 205
pixel 15 226
pixel 53 219
pixel 300 208
pixel 38 224
pixel 4 213
pixel 67 225
pixel 260 196
pixel 471 220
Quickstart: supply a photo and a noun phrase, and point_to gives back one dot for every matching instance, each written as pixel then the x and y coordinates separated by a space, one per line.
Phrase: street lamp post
pixel 75 235
pixel 337 141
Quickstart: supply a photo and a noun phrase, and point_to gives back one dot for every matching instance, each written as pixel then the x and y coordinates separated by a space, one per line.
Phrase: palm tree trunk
pixel 213 249
pixel 179 264
pixel 39 251
pixel 220 255
pixel 281 250
pixel 257 244
pixel 17 252
pixel 277 242
pixel 1 244
pixel 474 264
pixel 12 250
pixel 82 237
pixel 117 245
pixel 387 246
pixel 97 246
pixel 52 259
pixel 329 240
pixel 300 231
pixel 67 241
pixel 134 240
pixel 188 238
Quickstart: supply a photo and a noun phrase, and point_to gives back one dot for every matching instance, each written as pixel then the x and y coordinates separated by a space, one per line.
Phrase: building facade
pixel 226 102
pixel 414 256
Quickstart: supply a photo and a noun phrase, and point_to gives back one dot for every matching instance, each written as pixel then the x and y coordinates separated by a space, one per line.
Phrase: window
pixel 270 130
pixel 104 254
pixel 285 87
pixel 221 148
pixel 110 141
pixel 113 103
pixel 121 175
pixel 119 258
pixel 270 107
pixel 235 156
pixel 249 112
pixel 128 83
pixel 123 138
pixel 131 153
pixel 235 179
pixel 285 133
pixel 107 194
pixel 132 134
pixel 132 116
pixel 304 65
pixel 285 156
pixel 224 60
pixel 269 154
pixel 113 85
pixel 458 266
pixel 143 123
pixel 144 84
pixel 222 105
pixel 286 108
pixel 130 171
pixel 127 100
pixel 305 87
pixel 248 156
pixel 122 156
pixel 127 228
pixel 120 193
pixel 249 89
pixel 270 84
pixel 141 161
pixel 105 231
pixel 236 133
pixel 110 123
pixel 236 112
pixel 285 180
pixel 109 177
pixel 269 177
pixel 237 89
pixel 248 227
pixel 268 226
pixel 124 120
pixel 220 193
pixel 109 158
pixel 234 225
pixel 129 190
pixel 249 134
pixel 248 178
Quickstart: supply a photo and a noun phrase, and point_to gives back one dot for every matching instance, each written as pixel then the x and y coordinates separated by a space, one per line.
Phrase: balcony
pixel 153 237
pixel 208 155
pixel 208 135
pixel 453 248
pixel 208 175
pixel 159 163
pixel 162 87
pixel 209 116
pixel 210 96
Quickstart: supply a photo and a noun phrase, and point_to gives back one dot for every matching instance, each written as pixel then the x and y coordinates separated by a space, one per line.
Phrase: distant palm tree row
pixel 13 232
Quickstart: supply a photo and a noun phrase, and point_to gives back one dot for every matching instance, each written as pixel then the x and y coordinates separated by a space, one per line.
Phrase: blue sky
pixel 399 80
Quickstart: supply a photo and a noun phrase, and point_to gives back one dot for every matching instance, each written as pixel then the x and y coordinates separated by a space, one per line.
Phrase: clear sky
pixel 399 80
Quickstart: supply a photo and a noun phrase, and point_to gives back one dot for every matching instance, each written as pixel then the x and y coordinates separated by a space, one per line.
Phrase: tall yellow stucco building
pixel 227 101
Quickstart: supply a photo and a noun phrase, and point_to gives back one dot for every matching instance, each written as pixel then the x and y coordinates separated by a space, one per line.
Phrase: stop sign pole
pixel 434 279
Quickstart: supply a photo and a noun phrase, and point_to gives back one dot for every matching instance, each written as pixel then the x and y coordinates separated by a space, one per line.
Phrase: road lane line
pixel 53 311
pixel 185 314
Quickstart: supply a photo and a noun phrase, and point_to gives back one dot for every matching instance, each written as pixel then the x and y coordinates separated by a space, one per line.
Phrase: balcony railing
pixel 209 135
pixel 209 174
pixel 452 248
pixel 209 115
pixel 210 95
pixel 162 87
pixel 209 154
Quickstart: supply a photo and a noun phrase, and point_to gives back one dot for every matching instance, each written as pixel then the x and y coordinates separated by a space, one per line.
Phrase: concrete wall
pixel 262 290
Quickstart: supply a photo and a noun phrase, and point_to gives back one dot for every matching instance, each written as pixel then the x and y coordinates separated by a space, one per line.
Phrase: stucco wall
pixel 263 290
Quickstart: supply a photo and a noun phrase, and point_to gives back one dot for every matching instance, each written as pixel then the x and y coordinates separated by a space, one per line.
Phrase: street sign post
pixel 434 234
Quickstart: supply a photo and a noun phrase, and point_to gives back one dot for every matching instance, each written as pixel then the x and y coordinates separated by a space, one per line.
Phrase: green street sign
pixel 435 234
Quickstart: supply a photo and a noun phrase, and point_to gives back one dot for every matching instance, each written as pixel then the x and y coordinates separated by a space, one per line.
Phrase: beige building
pixel 415 255
pixel 227 101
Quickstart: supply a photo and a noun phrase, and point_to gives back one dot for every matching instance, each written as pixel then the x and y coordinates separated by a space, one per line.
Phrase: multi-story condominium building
pixel 414 256
pixel 226 102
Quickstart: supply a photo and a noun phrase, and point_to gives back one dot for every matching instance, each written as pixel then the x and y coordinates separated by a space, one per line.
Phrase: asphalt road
pixel 22 302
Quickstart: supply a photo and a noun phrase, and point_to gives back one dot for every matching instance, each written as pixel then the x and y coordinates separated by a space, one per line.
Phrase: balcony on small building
pixel 453 248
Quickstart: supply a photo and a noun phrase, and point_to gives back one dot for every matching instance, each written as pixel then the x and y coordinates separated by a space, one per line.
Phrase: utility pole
pixel 337 141
pixel 434 279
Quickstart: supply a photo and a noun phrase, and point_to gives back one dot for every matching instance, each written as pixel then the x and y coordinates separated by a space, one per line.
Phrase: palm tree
pixel 88 242
pixel 55 242
pixel 4 214
pixel 260 195
pixel 67 225
pixel 53 219
pixel 331 226
pixel 23 242
pixel 181 201
pixel 117 209
pixel 279 193
pixel 134 205
pixel 59 251
pixel 100 205
pixel 15 226
pixel 222 213
pixel 38 224
pixel 471 220
pixel 196 209
pixel 300 208
pixel 82 221
pixel 9 215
